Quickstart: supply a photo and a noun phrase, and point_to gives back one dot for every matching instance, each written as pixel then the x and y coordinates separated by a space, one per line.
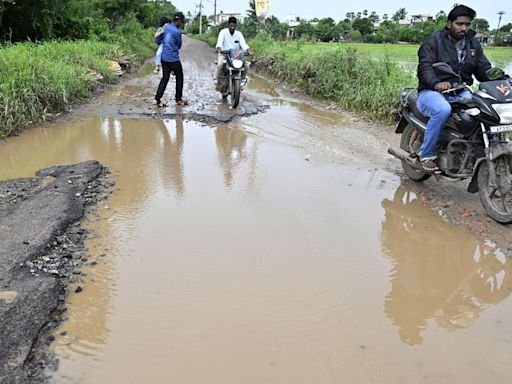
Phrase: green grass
pixel 45 78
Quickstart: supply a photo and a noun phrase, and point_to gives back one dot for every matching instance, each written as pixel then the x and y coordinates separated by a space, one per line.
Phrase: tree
pixel 325 30
pixel 275 28
pixel 480 25
pixel 304 30
pixel 506 28
pixel 388 32
pixel 440 15
pixel 75 19
pixel 374 17
pixel 364 25
pixel 251 12
pixel 251 25
pixel 400 14
pixel 385 17
pixel 365 13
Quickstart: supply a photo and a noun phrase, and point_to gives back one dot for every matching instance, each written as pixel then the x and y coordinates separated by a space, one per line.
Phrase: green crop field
pixel 402 53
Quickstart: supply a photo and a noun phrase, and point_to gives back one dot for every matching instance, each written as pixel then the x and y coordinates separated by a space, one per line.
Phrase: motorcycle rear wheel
pixel 411 142
pixel 497 201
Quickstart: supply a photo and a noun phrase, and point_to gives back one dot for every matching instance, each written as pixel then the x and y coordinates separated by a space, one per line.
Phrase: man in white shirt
pixel 230 39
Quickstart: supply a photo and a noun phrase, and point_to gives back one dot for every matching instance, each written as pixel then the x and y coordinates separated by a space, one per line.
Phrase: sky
pixel 336 9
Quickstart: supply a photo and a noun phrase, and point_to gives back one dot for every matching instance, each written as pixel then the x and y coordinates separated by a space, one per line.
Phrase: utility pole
pixel 200 17
pixel 501 13
pixel 214 12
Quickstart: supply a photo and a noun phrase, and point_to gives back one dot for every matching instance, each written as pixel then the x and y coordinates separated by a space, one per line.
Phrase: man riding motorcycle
pixel 229 39
pixel 457 46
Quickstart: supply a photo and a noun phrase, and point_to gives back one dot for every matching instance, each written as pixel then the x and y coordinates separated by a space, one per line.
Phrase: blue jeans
pixel 158 56
pixel 436 105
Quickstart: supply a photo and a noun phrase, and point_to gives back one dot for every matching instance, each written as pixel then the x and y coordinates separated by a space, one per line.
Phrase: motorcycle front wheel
pixel 235 95
pixel 410 142
pixel 497 199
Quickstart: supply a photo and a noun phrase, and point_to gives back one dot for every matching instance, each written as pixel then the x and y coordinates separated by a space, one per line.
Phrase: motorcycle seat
pixel 412 102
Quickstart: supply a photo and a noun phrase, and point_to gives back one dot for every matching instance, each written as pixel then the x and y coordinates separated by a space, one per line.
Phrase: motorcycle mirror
pixel 444 71
pixel 495 73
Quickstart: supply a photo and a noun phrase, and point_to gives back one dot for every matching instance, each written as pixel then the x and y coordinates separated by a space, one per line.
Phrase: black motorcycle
pixel 475 143
pixel 233 78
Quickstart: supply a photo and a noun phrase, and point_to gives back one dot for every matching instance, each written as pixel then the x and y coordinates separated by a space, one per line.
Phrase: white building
pixel 223 17
pixel 292 21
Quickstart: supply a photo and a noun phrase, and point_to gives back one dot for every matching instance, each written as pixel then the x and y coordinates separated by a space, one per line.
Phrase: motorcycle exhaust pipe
pixel 400 154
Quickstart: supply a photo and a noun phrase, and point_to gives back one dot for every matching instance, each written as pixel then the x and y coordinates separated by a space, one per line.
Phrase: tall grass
pixel 37 79
pixel 366 85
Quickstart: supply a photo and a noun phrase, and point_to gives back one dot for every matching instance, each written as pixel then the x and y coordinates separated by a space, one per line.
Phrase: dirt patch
pixel 41 251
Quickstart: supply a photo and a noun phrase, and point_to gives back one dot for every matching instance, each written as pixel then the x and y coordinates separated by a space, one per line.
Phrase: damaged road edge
pixel 40 247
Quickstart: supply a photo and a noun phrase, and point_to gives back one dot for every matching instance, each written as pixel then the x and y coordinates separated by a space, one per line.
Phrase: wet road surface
pixel 269 249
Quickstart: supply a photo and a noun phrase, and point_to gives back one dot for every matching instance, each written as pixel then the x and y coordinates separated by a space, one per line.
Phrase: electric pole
pixel 214 12
pixel 501 13
pixel 200 17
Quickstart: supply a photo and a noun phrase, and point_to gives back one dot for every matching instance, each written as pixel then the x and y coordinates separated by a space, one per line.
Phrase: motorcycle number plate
pixel 501 128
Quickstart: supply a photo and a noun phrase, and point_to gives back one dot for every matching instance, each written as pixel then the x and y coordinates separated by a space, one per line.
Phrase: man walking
pixel 170 36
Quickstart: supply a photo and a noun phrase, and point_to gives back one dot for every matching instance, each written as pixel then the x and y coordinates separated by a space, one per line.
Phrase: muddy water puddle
pixel 226 257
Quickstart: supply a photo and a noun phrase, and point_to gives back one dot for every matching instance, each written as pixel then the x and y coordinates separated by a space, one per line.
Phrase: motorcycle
pixel 233 79
pixel 475 143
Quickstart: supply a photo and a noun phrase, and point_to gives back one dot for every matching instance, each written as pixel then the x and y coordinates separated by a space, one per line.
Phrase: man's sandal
pixel 181 103
pixel 429 165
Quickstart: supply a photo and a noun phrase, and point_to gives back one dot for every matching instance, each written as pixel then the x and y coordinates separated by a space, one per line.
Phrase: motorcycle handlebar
pixel 228 52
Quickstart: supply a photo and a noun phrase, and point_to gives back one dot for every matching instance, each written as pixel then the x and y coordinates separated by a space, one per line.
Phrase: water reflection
pixel 172 145
pixel 231 145
pixel 447 279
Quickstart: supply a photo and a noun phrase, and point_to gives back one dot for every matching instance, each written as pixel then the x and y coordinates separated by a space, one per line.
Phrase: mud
pixel 40 247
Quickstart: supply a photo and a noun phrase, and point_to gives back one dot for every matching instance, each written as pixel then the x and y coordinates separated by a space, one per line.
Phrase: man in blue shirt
pixel 170 36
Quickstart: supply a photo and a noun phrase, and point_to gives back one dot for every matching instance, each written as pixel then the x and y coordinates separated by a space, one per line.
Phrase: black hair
pixel 461 10
pixel 164 20
pixel 179 16
pixel 232 19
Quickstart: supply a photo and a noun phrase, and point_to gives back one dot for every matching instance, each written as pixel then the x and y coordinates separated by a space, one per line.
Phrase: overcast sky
pixel 487 9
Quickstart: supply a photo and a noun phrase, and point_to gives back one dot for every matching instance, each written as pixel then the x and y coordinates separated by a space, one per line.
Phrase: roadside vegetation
pixel 52 59
pixel 367 85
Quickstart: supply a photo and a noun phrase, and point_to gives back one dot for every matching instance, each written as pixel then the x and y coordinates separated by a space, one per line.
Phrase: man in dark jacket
pixel 457 46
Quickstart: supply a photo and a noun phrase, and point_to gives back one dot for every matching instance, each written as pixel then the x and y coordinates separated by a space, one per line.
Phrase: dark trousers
pixel 167 68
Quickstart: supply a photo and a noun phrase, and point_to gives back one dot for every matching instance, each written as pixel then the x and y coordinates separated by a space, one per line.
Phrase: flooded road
pixel 269 249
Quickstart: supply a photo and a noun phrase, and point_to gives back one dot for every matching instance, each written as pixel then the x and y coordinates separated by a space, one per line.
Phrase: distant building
pixel 415 19
pixel 485 38
pixel 223 17
pixel 292 21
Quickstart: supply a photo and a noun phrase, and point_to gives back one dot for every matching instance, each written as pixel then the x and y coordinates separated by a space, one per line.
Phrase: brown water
pixel 228 258
pixel 267 250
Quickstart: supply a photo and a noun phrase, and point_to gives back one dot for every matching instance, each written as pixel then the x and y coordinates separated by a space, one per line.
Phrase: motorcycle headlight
pixel 237 64
pixel 504 111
